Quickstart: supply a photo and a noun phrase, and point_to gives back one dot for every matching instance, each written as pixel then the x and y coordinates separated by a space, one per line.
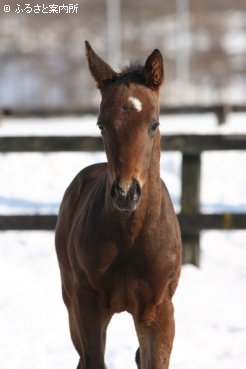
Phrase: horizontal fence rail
pixel 220 110
pixel 185 143
pixel 191 146
pixel 191 223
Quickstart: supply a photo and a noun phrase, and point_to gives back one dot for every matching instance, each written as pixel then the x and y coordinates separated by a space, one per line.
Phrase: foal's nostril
pixel 115 189
pixel 137 187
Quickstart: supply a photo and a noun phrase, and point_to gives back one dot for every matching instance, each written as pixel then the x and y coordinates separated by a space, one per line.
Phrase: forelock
pixel 131 74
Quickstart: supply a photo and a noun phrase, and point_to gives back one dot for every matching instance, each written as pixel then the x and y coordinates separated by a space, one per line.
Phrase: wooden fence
pixel 190 218
pixel 220 110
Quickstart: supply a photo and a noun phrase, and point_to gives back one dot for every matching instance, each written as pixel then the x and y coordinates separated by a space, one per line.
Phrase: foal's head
pixel 128 120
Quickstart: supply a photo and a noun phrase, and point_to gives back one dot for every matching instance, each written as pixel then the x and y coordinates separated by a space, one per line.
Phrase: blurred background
pixel 42 60
pixel 43 74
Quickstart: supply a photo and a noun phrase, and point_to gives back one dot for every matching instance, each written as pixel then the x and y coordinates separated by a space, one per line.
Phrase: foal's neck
pixel 153 185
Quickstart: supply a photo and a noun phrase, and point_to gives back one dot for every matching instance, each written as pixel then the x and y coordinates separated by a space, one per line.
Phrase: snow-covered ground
pixel 210 302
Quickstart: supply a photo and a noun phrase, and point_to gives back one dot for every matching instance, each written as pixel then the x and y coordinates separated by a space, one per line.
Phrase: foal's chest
pixel 122 274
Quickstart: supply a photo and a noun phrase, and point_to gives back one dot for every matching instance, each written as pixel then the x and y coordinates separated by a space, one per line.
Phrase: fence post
pixel 190 203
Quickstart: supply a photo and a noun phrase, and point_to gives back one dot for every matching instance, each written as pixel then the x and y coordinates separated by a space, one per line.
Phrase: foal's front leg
pixel 156 338
pixel 92 321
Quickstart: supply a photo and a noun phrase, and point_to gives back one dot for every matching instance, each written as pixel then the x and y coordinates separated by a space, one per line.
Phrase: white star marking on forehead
pixel 135 102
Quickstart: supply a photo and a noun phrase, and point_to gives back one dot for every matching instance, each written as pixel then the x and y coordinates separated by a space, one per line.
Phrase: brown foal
pixel 117 236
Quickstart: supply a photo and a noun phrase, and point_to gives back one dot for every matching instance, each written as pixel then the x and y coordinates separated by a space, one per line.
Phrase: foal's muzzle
pixel 126 197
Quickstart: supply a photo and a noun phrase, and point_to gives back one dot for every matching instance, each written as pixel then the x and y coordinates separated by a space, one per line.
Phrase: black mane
pixel 130 74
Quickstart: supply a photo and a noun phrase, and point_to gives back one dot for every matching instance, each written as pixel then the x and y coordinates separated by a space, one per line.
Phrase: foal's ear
pixel 153 70
pixel 100 70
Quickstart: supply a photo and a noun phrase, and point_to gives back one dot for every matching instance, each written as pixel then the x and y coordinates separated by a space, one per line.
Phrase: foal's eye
pixel 153 127
pixel 101 127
